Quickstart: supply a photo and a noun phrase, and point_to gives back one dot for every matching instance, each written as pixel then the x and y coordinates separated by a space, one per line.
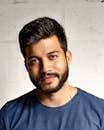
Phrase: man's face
pixel 47 64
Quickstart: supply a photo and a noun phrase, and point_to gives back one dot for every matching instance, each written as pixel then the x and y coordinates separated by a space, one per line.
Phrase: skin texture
pixel 47 65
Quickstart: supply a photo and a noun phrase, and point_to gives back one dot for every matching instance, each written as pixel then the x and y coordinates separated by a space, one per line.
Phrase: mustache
pixel 44 75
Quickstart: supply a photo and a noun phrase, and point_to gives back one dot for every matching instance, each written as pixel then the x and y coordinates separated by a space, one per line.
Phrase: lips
pixel 48 79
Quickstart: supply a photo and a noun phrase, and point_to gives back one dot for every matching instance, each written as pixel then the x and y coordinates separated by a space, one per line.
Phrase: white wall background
pixel 84 24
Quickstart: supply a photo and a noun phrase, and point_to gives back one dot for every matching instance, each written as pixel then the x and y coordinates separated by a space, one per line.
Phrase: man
pixel 54 104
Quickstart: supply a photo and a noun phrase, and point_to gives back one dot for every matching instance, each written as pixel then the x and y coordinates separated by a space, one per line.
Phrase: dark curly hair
pixel 41 28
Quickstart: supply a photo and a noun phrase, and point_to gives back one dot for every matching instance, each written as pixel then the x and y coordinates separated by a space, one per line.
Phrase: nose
pixel 45 66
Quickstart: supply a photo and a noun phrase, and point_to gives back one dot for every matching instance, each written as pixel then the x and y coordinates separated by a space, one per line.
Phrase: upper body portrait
pixel 54 104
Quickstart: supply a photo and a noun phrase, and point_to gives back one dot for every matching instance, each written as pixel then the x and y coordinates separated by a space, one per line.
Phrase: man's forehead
pixel 47 45
pixel 47 42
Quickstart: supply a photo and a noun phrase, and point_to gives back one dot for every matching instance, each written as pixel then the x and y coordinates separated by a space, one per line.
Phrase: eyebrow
pixel 30 57
pixel 53 52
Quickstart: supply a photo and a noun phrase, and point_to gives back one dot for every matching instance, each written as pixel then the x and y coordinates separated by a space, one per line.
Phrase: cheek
pixel 33 71
pixel 61 66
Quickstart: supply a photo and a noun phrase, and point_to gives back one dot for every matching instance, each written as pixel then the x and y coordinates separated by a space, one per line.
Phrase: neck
pixel 60 98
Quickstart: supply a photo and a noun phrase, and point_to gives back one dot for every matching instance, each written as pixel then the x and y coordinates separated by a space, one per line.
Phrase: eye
pixel 53 56
pixel 34 61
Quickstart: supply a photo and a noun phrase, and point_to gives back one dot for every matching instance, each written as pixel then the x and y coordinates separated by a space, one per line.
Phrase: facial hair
pixel 62 79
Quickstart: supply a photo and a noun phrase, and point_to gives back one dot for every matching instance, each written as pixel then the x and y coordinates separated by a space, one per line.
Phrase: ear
pixel 69 56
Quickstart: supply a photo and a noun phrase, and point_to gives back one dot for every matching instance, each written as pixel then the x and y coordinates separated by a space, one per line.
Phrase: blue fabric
pixel 83 112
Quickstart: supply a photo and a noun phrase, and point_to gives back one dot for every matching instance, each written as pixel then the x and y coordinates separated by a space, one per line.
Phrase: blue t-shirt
pixel 83 112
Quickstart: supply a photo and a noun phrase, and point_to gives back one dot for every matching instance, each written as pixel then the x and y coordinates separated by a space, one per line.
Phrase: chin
pixel 50 90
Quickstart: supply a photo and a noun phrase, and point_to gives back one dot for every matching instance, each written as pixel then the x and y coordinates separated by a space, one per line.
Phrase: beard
pixel 41 88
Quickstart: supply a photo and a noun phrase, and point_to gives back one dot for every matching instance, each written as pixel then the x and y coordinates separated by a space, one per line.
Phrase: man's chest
pixel 55 121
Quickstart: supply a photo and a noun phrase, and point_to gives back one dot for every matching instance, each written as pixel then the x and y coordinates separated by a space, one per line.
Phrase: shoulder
pixel 91 101
pixel 90 96
pixel 92 107
pixel 18 103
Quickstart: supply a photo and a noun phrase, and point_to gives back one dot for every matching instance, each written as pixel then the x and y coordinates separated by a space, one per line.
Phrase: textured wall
pixel 84 24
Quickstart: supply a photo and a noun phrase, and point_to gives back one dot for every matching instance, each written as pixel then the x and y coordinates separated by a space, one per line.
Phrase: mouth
pixel 48 79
